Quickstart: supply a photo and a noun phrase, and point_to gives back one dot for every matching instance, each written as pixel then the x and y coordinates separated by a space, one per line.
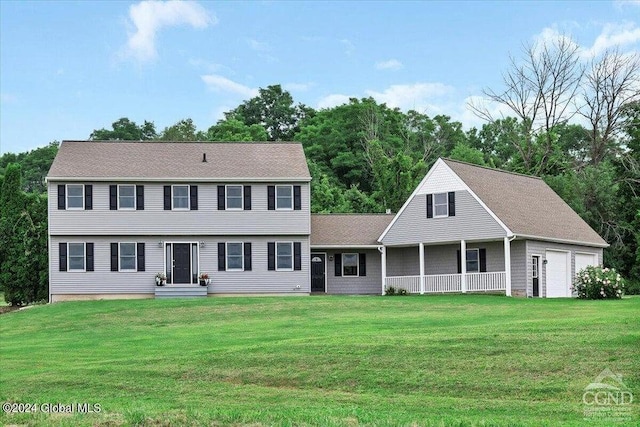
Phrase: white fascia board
pixel 171 179
pixel 567 241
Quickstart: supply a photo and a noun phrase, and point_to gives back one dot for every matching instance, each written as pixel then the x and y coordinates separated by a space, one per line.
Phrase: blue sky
pixel 67 68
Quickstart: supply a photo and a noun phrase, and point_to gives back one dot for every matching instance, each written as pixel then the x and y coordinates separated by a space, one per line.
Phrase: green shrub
pixel 598 283
pixel 390 291
pixel 632 288
pixel 402 292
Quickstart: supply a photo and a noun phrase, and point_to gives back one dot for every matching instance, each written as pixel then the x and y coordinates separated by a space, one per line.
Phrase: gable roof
pixel 525 204
pixel 110 160
pixel 347 229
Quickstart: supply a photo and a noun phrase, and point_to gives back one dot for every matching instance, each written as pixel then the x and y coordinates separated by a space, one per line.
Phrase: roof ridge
pixel 492 169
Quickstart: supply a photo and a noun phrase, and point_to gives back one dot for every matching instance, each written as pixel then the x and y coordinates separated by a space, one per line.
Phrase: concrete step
pixel 181 291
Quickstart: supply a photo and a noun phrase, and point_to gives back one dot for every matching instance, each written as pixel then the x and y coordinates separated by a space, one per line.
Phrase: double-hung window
pixel 284 256
pixel 284 197
pixel 350 264
pixel 75 196
pixel 180 197
pixel 235 256
pixel 127 257
pixel 234 197
pixel 126 196
pixel 76 258
pixel 440 205
pixel 473 261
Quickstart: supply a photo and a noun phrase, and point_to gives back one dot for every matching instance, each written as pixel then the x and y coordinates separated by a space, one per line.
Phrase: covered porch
pixel 453 267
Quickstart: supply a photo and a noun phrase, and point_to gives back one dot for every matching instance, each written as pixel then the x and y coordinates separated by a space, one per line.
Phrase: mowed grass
pixel 436 360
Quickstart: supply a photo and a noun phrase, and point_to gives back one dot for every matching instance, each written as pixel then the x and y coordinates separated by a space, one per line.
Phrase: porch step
pixel 178 291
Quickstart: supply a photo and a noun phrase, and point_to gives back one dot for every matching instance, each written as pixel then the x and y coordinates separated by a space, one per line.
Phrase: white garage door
pixel 557 276
pixel 584 260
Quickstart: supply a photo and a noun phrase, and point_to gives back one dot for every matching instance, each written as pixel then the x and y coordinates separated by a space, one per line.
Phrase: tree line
pixel 572 123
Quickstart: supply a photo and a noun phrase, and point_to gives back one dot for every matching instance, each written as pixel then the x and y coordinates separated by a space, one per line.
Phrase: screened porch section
pixel 464 267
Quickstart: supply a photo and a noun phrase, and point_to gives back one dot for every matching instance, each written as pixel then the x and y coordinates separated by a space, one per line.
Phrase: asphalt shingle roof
pixel 179 160
pixel 347 229
pixel 525 204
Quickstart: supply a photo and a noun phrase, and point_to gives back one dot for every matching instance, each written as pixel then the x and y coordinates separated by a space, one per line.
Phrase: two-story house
pixel 120 212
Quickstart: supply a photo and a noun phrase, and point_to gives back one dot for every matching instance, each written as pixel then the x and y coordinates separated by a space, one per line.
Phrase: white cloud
pixel 620 4
pixel 614 35
pixel 333 100
pixel 258 45
pixel 418 96
pixel 222 84
pixel 149 17
pixel 391 64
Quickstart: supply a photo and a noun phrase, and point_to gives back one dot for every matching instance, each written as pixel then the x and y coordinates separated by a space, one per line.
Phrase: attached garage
pixel 584 260
pixel 558 274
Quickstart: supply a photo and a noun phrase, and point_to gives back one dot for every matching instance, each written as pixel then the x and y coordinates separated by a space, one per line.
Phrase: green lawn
pixel 438 360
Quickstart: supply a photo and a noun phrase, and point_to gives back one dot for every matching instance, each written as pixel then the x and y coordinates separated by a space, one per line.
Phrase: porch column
pixel 463 266
pixel 421 252
pixel 383 265
pixel 507 265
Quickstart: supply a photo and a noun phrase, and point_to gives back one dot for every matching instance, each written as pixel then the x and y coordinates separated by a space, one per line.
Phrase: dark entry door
pixel 535 275
pixel 317 272
pixel 181 263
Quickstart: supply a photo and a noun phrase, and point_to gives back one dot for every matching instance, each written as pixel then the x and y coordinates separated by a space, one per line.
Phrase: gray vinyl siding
pixel 471 222
pixel 443 259
pixel 369 284
pixel 518 268
pixel 403 261
pixel 539 247
pixel 154 220
pixel 104 281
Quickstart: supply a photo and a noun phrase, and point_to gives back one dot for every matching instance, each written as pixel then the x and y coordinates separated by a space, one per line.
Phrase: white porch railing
pixel 440 283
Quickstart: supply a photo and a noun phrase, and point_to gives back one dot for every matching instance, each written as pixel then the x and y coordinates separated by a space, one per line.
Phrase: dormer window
pixel 440 205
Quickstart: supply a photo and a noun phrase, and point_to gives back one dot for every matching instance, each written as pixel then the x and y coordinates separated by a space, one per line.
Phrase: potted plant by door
pixel 204 279
pixel 161 279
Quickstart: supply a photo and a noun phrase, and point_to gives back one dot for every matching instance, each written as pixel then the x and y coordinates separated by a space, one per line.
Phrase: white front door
pixel 558 272
pixel 585 260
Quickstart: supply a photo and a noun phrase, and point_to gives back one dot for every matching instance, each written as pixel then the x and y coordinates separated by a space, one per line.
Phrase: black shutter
pixel 297 198
pixel 338 264
pixel 271 256
pixel 62 200
pixel 167 197
pixel 140 254
pixel 297 256
pixel 482 253
pixel 88 197
pixel 221 196
pixel 247 256
pixel 247 197
pixel 62 255
pixel 271 197
pixel 140 199
pixel 429 205
pixel 194 197
pixel 88 247
pixel 362 264
pixel 452 203
pixel 221 257
pixel 113 197
pixel 114 257
pixel 459 262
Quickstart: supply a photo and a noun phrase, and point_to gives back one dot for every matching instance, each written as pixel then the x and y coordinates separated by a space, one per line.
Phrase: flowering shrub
pixel 598 283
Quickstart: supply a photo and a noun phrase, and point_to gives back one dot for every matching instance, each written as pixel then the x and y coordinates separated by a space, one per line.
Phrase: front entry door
pixel 535 275
pixel 181 263
pixel 317 272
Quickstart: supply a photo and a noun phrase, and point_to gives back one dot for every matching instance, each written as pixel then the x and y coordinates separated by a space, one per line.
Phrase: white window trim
pixel 276 195
pixel 135 256
pixel 226 256
pixel 84 257
pixel 357 265
pixel 446 196
pixel 66 200
pixel 476 250
pixel 173 242
pixel 135 201
pixel 188 197
pixel 226 195
pixel 292 256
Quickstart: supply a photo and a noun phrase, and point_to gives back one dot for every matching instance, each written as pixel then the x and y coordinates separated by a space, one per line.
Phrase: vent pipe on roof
pixel 388 211
pixel 204 157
